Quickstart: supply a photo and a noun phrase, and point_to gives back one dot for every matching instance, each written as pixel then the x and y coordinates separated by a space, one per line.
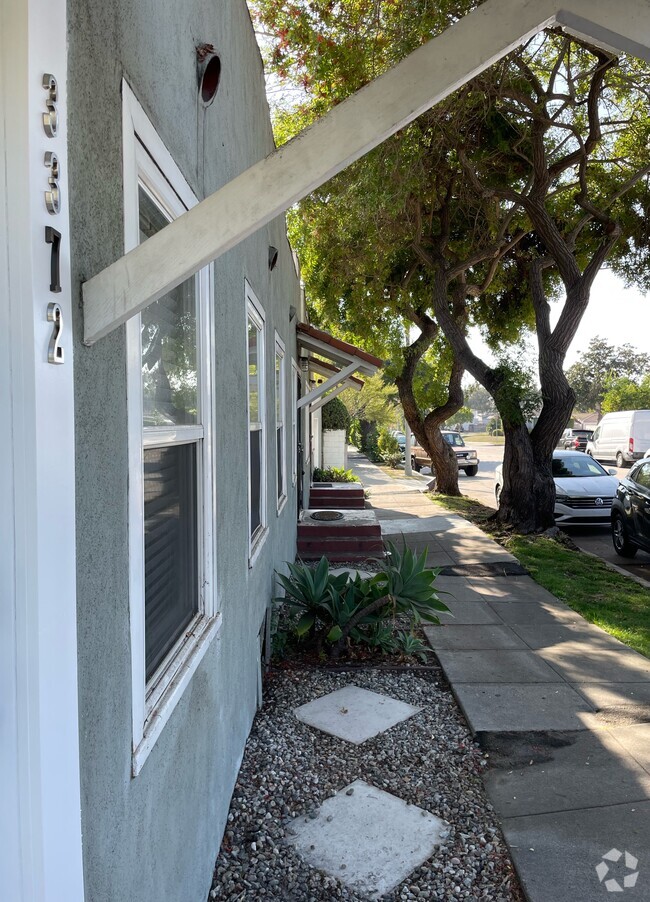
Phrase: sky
pixel 618 314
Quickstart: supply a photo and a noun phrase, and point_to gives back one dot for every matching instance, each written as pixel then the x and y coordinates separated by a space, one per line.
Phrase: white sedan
pixel 584 490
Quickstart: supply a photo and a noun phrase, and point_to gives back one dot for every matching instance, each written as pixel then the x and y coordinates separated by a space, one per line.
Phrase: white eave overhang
pixel 346 359
pixel 347 132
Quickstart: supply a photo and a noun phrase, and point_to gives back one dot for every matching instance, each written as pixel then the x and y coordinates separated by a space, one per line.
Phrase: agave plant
pixel 342 608
pixel 315 594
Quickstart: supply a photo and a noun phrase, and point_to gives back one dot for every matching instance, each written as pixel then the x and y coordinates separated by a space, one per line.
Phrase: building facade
pixel 152 476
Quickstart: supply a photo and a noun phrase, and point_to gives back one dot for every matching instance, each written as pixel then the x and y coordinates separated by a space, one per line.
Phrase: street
pixel 595 539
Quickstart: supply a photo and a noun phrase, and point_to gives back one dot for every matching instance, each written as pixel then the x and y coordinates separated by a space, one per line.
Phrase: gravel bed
pixel 289 769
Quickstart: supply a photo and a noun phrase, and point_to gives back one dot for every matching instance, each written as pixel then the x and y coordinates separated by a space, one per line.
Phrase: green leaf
pixel 334 634
pixel 305 624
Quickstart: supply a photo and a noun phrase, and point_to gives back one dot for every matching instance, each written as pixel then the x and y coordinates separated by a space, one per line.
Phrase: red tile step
pixel 330 496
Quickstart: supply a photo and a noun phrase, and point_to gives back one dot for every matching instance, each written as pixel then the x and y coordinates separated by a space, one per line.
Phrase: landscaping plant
pixel 333 474
pixel 388 448
pixel 342 610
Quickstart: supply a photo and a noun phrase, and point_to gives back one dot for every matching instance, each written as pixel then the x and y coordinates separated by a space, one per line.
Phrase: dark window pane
pixel 170 547
pixel 280 459
pixel 255 481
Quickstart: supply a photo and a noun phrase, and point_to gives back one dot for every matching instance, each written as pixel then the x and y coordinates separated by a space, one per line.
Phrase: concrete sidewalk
pixel 562 707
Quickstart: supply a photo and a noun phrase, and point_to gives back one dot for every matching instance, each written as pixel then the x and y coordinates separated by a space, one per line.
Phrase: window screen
pixel 170 547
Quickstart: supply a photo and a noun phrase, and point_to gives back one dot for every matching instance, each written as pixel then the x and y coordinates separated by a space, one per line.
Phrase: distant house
pixel 585 420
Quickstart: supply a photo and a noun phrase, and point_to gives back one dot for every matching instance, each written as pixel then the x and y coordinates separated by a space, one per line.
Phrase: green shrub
pixel 335 415
pixel 333 474
pixel 388 448
pixel 341 610
pixel 369 439
pixel 355 434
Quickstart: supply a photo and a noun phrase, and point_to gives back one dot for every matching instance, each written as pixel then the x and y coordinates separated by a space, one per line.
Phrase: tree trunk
pixel 427 429
pixel 528 492
pixel 443 458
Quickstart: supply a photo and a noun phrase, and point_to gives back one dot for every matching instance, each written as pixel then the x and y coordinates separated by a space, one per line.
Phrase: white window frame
pixel 147 162
pixel 255 313
pixel 295 377
pixel 280 352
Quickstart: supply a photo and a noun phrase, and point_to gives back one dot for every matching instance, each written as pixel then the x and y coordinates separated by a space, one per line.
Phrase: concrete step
pixel 339 557
pixel 326 529
pixel 347 496
pixel 336 503
pixel 323 546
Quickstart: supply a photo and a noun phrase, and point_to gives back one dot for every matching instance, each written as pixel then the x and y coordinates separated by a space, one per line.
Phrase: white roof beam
pixel 330 383
pixel 316 405
pixel 346 133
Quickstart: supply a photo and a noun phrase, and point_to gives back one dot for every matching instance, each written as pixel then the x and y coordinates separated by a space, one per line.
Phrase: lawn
pixel 614 602
pixel 482 437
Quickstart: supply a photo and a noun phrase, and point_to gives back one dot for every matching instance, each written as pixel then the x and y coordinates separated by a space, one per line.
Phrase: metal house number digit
pixel 50 118
pixel 55 351
pixel 52 195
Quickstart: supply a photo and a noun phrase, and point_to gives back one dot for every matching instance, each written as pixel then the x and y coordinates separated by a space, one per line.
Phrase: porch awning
pixel 342 361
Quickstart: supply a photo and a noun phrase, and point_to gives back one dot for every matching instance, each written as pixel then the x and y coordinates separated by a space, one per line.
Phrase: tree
pixel 464 415
pixel 625 394
pixel 478 398
pixel 506 196
pixel 591 376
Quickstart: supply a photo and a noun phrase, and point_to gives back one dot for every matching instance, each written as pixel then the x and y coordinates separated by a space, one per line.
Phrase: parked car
pixel 467 458
pixel 401 439
pixel 575 439
pixel 584 490
pixel 631 511
pixel 621 437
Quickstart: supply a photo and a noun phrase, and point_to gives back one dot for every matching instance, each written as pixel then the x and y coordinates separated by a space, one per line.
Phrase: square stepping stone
pixel 354 714
pixel 498 707
pixel 367 838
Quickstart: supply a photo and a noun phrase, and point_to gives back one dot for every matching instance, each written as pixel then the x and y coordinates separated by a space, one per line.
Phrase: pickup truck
pixel 466 457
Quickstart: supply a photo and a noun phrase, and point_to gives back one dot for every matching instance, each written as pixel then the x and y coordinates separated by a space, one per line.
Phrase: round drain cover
pixel 326 515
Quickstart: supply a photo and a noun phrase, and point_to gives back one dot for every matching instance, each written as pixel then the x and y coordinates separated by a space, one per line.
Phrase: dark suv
pixel 575 439
pixel 631 511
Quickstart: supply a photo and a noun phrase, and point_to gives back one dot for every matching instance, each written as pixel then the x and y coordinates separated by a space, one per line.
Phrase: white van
pixel 622 437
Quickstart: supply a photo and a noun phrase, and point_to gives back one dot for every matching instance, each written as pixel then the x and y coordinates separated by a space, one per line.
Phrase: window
pixel 295 395
pixel 280 435
pixel 169 347
pixel 642 476
pixel 256 421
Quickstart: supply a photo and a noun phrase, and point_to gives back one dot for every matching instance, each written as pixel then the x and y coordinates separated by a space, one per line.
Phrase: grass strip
pixel 615 603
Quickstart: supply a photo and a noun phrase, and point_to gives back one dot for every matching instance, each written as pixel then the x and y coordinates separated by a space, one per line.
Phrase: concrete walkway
pixel 562 707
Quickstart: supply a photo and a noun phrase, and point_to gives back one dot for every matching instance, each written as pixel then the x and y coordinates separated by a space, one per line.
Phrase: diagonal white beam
pixel 346 133
pixel 323 400
pixel 332 382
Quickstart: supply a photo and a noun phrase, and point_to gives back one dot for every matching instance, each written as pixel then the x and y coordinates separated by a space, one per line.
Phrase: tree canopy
pixel 591 377
pixel 506 197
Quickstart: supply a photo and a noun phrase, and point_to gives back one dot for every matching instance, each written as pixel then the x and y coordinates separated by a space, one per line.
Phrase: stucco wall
pixel 335 449
pixel 154 837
